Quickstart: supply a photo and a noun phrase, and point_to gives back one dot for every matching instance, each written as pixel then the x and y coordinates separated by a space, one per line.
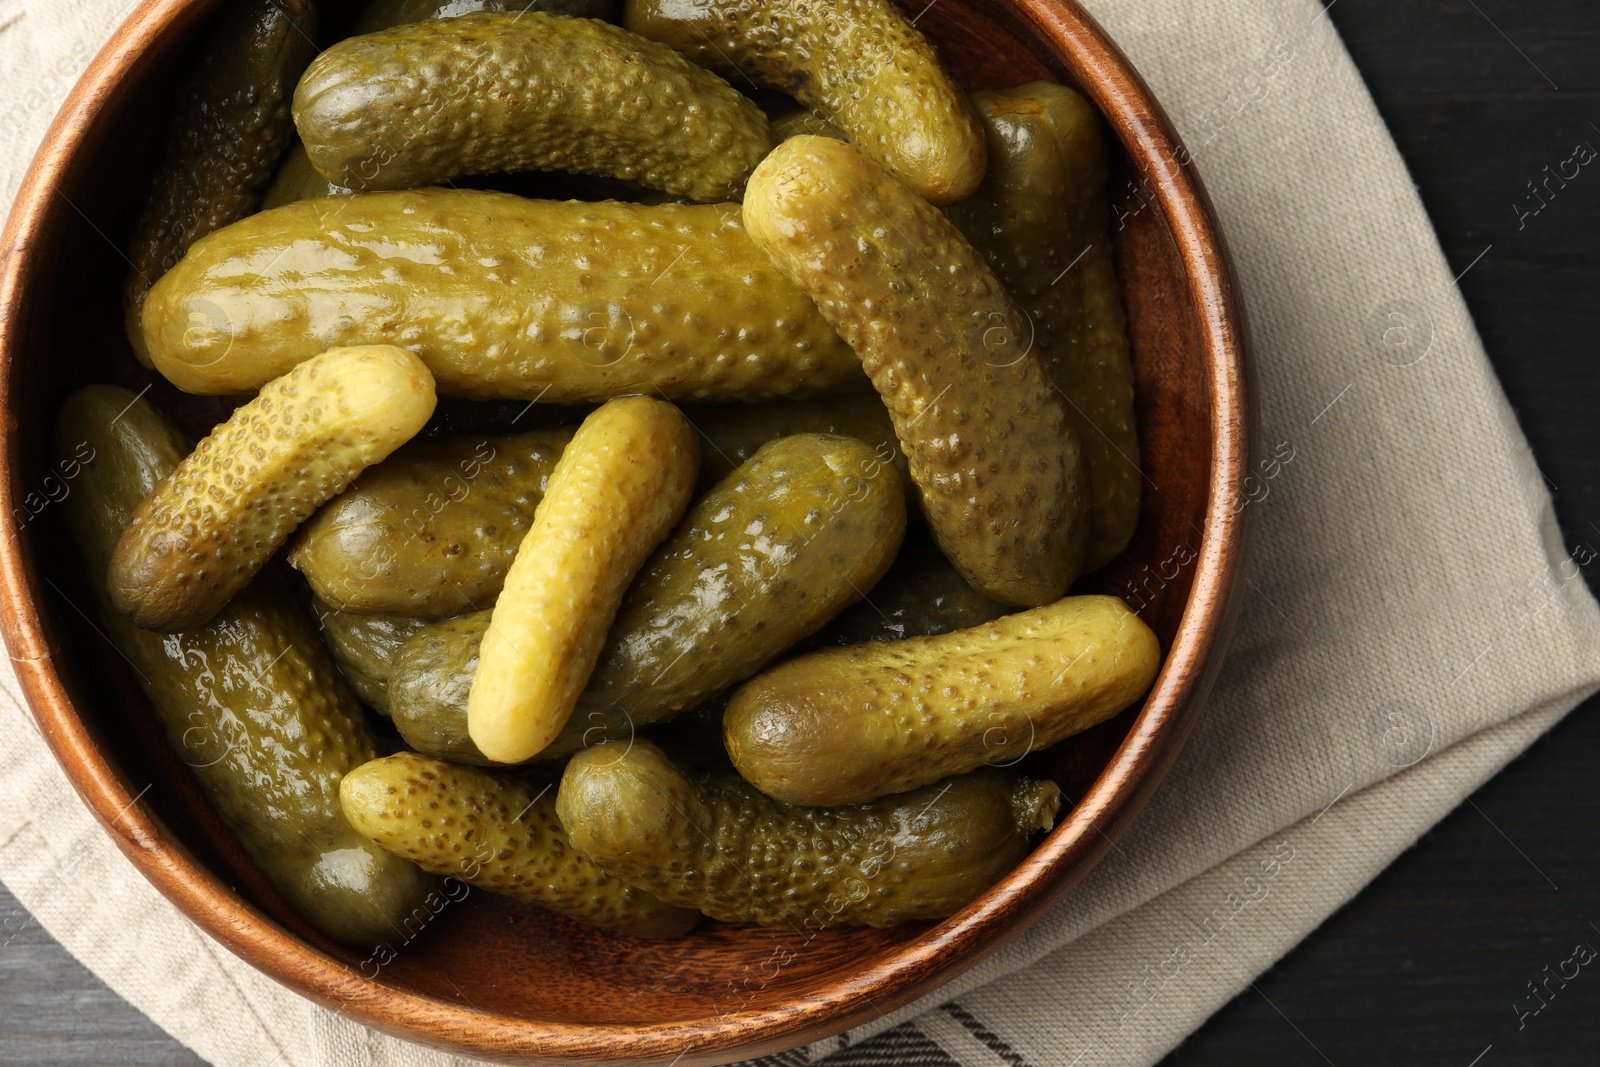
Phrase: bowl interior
pixel 495 959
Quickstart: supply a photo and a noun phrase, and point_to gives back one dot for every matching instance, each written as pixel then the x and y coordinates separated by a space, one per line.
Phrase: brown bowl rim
pixel 912 970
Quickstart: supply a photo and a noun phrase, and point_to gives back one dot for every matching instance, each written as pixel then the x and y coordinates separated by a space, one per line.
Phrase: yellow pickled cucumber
pixel 991 450
pixel 216 520
pixel 858 63
pixel 249 701
pixel 423 103
pixel 501 297
pixel 1042 219
pixel 715 844
pixel 845 725
pixel 620 485
pixel 364 648
pixel 807 526
pixel 496 834
pixel 230 124
pixel 431 531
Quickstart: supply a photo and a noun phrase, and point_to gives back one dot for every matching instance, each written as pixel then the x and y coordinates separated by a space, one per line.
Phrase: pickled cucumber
pixel 431 531
pixel 249 702
pixel 1042 219
pixel 618 489
pixel 715 844
pixel 216 520
pixel 919 597
pixel 846 725
pixel 364 648
pixel 857 63
pixel 805 527
pixel 502 297
pixel 731 433
pixel 991 450
pixel 499 835
pixel 297 179
pixel 230 124
pixel 422 103
pixel 381 14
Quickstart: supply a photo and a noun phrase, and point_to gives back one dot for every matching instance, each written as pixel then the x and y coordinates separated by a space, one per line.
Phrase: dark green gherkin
pixel 1042 219
pixel 364 647
pixel 714 843
pixel 230 124
pixel 423 103
pixel 249 701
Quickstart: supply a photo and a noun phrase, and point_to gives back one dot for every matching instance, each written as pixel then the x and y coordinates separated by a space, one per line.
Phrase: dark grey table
pixel 1425 966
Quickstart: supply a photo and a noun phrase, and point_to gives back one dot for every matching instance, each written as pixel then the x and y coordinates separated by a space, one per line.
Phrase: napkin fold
pixel 1411 618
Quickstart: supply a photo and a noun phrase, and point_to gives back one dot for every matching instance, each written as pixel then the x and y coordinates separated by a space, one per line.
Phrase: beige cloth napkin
pixel 1411 620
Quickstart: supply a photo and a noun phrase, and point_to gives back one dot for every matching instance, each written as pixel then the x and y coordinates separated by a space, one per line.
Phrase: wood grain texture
pixel 547 990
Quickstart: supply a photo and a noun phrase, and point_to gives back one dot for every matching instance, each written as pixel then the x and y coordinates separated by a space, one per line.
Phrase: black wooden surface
pixel 1424 967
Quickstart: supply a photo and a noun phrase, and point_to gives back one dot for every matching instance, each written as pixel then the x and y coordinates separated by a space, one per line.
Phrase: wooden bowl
pixel 488 977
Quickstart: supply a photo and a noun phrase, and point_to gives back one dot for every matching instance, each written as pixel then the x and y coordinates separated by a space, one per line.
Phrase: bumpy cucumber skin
pixel 423 103
pixel 231 122
pixel 1043 208
pixel 924 598
pixel 381 14
pixel 845 725
pixel 716 844
pixel 804 528
pixel 430 532
pixel 502 297
pixel 498 834
pixel 620 486
pixel 857 63
pixel 206 530
pixel 296 179
pixel 991 450
pixel 249 702
pixel 364 647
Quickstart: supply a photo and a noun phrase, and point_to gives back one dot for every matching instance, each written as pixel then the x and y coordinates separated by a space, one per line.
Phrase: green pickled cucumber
pixel 996 460
pixel 497 834
pixel 805 527
pixel 430 532
pixel 297 179
pixel 230 124
pixel 846 725
pixel 364 647
pixel 920 597
pixel 233 501
pixel 714 843
pixel 423 103
pixel 858 63
pixel 501 297
pixel 381 14
pixel 1042 219
pixel 430 680
pixel 731 433
pixel 250 701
